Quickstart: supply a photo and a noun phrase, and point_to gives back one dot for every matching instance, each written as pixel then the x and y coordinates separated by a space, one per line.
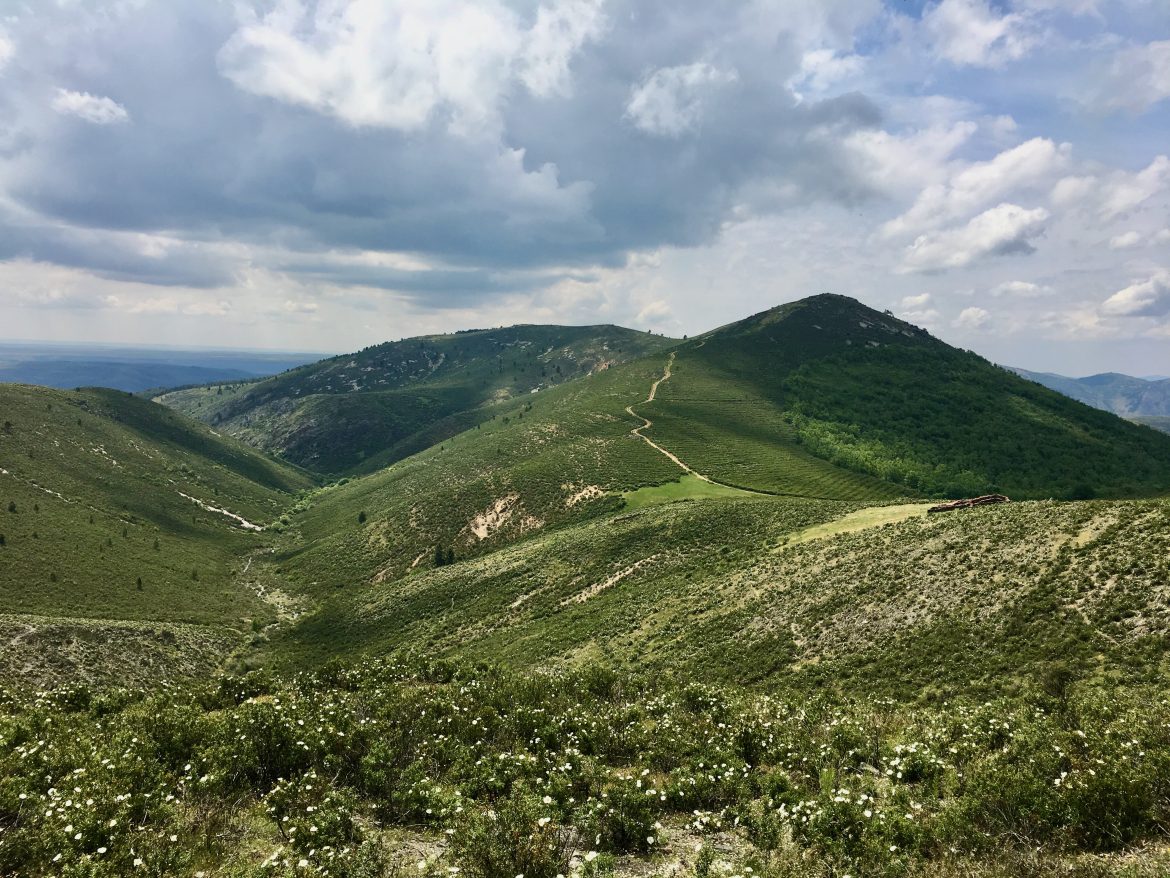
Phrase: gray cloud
pixel 562 177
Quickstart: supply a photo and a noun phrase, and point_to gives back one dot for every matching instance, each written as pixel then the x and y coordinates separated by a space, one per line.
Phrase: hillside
pixel 114 508
pixel 878 396
pixel 362 411
pixel 779 591
pixel 1110 391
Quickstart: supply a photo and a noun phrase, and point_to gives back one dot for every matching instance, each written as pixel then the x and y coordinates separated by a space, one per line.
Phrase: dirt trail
pixel 637 431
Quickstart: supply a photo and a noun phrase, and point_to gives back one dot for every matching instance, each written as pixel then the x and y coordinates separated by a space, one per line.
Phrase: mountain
pixel 679 463
pixel 362 411
pixel 1121 394
pixel 125 521
pixel 875 395
pixel 824 399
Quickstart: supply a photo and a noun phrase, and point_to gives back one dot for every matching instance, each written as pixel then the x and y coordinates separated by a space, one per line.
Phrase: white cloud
pixel 394 65
pixel 670 100
pixel 1004 229
pixel 979 184
pixel 972 318
pixel 969 33
pixel 1125 241
pixel 915 301
pixel 7 48
pixel 558 32
pixel 894 162
pixel 1020 288
pixel 820 69
pixel 92 108
pixel 1162 237
pixel 1072 7
pixel 1123 191
pixel 1148 298
pixel 1138 78
pixel 1070 190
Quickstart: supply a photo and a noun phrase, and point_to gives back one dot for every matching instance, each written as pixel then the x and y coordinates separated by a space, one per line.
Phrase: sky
pixel 328 175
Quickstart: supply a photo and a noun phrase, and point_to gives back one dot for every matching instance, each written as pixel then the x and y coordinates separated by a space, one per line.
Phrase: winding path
pixel 637 431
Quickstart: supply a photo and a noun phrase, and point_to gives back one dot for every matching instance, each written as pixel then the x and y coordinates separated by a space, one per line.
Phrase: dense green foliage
pixel 362 411
pixel 438 770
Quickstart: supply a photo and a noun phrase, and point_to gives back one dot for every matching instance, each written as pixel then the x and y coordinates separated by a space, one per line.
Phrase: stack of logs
pixel 969 502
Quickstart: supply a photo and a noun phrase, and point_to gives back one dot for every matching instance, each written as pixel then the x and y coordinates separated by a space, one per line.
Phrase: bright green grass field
pixel 688 487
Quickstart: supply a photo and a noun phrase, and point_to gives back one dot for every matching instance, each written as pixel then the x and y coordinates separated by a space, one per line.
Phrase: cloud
pixel 895 163
pixel 969 33
pixel 1021 289
pixel 980 184
pixel 556 35
pixel 91 108
pixel 1004 229
pixel 1138 78
pixel 1072 189
pixel 1124 192
pixel 1148 298
pixel 669 102
pixel 974 318
pixel 915 301
pixel 397 65
pixel 822 68
pixel 7 48
pixel 1125 241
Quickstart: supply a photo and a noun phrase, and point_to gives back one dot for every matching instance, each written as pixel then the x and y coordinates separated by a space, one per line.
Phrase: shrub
pixel 517 837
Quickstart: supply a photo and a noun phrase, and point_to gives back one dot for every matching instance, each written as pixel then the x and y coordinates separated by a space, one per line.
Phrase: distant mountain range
pixel 1145 400
pixel 135 369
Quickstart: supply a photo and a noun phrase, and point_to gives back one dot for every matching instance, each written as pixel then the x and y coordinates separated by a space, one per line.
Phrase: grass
pixel 99 519
pixel 861 519
pixel 688 487
pixel 813 677
pixel 1156 422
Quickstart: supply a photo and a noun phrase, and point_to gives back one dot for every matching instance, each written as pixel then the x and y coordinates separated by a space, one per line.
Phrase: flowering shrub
pixel 504 774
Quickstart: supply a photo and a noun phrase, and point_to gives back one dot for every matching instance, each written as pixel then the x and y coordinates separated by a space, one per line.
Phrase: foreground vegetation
pixel 437 770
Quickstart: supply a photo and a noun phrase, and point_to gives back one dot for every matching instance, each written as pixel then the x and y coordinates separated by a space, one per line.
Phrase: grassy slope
pixel 362 411
pixel 96 479
pixel 564 455
pixel 878 396
pixel 736 590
